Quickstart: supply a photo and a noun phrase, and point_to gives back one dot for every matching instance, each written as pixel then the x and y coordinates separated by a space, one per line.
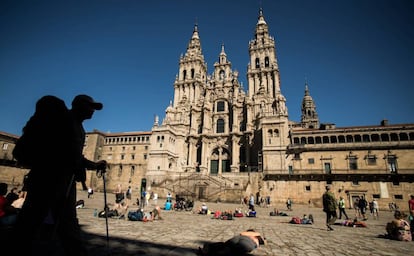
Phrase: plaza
pixel 182 232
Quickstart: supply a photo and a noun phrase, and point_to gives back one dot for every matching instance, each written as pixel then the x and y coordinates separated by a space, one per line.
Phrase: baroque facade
pixel 220 142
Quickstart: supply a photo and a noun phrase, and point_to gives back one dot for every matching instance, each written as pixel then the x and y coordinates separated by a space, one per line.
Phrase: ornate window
pixel 221 74
pixel 220 126
pixel 352 161
pixel 266 62
pixel 220 106
pixel 371 159
pixel 391 163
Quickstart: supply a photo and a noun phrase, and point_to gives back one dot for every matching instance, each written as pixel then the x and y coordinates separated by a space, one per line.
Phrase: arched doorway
pixel 220 161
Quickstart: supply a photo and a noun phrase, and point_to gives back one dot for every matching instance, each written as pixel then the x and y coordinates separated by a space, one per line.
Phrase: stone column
pixel 220 165
pixel 235 154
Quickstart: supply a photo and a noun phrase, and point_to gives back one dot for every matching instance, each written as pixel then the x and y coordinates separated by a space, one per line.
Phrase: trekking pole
pixel 103 174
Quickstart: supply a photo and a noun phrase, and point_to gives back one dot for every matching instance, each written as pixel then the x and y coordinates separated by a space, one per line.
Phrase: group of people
pixel 56 132
pixel 145 216
pixel 331 205
pixel 401 228
pixel 10 204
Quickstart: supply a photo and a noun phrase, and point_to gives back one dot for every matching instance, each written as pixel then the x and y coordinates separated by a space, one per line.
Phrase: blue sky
pixel 357 55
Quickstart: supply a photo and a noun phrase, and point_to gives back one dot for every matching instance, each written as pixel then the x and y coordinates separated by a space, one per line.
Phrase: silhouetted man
pixel 57 137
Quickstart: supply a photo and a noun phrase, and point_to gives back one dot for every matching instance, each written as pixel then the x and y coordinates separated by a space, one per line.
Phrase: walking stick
pixel 106 208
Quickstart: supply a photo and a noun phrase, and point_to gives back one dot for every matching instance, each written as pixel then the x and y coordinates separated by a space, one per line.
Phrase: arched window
pixel 220 126
pixel 257 63
pixel 384 137
pixel 221 74
pixel 311 140
pixel 276 133
pixel 192 73
pixel 266 62
pixel 295 140
pixel 375 137
pixel 318 140
pixel 341 138
pixel 394 137
pixel 349 138
pixel 242 126
pixel 303 140
pixel 220 106
pixel 184 74
pixel 270 133
pixel 403 136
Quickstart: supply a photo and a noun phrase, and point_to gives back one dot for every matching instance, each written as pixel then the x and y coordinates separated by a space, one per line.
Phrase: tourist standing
pixel 329 207
pixel 375 209
pixel 341 206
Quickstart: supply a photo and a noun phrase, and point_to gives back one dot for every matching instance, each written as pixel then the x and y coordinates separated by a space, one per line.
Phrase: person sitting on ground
pixel 411 221
pixel 8 213
pixel 241 244
pixel 168 205
pixel 399 228
pixel 238 213
pixel 121 209
pixel 145 216
pixel 18 203
pixel 227 215
pixel 90 192
pixel 251 212
pixel 203 209
pixel 307 219
pixel 156 213
pixel 12 195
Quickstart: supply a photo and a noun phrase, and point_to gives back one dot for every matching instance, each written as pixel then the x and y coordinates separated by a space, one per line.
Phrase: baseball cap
pixel 86 100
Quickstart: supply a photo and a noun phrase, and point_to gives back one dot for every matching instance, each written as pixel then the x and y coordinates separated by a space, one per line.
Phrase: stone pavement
pixel 181 232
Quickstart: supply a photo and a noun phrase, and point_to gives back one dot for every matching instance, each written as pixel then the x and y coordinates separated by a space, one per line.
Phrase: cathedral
pixel 219 142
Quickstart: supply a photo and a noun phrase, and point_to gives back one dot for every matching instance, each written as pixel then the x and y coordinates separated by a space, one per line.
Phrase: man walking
pixel 329 207
pixel 51 183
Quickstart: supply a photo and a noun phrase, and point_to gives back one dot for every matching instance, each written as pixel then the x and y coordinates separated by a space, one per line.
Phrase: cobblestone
pixel 182 232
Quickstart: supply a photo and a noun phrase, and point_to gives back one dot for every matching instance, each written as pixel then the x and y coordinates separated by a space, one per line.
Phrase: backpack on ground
pixel 135 215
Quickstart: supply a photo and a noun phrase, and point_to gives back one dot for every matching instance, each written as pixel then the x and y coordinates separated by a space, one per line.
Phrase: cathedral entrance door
pixel 214 167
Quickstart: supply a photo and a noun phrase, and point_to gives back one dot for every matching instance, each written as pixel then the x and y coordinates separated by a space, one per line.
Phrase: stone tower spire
pixel 190 81
pixel 263 74
pixel 309 118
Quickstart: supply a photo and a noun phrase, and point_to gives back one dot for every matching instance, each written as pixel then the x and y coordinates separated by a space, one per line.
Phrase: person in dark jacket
pixel 56 137
pixel 329 207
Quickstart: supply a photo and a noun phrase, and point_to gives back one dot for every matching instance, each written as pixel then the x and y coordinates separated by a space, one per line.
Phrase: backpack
pixel 135 216
pixel 295 220
pixel 109 214
pixel 50 115
pixel 23 151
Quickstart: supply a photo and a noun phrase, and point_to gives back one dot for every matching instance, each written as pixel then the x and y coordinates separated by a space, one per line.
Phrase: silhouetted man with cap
pixel 83 107
pixel 52 186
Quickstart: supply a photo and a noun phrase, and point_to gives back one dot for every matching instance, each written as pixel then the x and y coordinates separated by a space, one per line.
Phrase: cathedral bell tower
pixel 267 112
pixel 189 85
pixel 309 118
